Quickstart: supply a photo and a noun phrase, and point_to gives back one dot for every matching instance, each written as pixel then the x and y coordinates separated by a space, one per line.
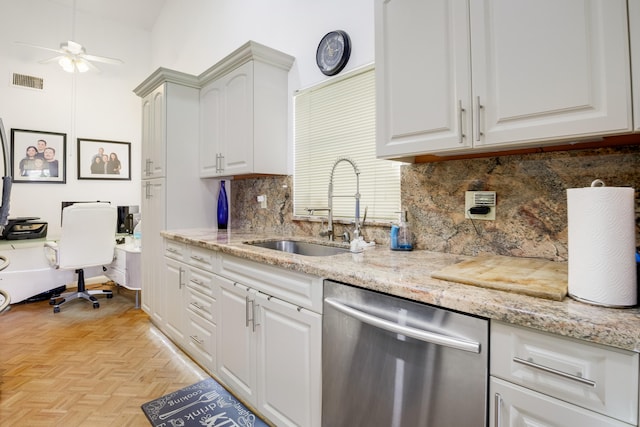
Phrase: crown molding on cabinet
pixel 250 51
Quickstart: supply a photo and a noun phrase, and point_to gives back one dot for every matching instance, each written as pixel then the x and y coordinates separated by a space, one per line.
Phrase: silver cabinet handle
pixel 419 334
pixel 246 310
pixel 549 370
pixel 196 305
pixel 147 190
pixel 197 282
pixel 197 258
pixel 180 284
pixel 173 250
pixel 196 339
pixel 497 409
pixel 255 307
pixel 460 121
pixel 478 107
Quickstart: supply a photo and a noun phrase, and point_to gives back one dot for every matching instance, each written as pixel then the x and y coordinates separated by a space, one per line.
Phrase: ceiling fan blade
pixel 92 66
pixel 104 59
pixel 50 60
pixel 40 47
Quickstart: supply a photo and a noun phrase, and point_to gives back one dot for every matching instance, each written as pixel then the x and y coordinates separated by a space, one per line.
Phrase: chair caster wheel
pixel 109 296
pixel 56 309
pixel 96 305
pixel 52 301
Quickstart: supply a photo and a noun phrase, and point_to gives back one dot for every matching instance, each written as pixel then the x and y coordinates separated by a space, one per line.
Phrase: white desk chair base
pixel 81 292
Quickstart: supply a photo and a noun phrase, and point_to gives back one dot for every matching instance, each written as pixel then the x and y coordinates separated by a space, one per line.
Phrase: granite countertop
pixel 408 275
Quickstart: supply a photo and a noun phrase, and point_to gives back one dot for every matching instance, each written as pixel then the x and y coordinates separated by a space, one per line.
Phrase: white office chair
pixel 87 240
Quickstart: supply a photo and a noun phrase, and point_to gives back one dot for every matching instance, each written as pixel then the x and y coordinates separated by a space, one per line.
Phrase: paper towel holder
pixel 598 183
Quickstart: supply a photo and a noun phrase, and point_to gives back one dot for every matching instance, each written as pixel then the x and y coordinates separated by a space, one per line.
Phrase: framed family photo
pixel 38 156
pixel 100 159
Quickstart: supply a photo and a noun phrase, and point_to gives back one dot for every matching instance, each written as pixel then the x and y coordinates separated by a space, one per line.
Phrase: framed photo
pixel 38 156
pixel 100 159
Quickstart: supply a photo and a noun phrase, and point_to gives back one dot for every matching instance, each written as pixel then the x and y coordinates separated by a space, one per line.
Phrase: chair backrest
pixel 88 235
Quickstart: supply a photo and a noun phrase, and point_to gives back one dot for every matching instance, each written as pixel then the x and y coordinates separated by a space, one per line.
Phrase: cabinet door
pixel 514 406
pixel 289 365
pixel 549 70
pixel 211 123
pixel 236 343
pixel 237 139
pixel 175 278
pixel 422 76
pixel 154 133
pixel 153 208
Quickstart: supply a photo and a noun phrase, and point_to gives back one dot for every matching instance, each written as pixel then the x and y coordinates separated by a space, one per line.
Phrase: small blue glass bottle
pixel 223 208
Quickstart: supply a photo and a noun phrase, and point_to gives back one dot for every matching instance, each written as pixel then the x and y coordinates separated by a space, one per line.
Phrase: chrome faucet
pixel 356 232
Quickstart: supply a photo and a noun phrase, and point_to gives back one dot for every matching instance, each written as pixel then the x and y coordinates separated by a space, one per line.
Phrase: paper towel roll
pixel 602 266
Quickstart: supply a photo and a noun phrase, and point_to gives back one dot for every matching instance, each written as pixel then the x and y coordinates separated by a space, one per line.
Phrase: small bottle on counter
pixel 137 235
pixel 401 236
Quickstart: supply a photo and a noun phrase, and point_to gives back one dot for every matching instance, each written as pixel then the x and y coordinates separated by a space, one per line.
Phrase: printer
pixel 22 228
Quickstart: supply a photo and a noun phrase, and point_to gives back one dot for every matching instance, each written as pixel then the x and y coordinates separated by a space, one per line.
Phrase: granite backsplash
pixel 531 210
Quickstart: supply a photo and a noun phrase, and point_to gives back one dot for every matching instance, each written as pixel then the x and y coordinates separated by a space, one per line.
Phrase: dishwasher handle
pixel 419 334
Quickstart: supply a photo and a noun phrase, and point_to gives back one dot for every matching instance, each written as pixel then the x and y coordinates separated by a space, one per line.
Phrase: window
pixel 333 120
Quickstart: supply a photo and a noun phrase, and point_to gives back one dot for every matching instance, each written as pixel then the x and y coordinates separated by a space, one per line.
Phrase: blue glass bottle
pixel 223 207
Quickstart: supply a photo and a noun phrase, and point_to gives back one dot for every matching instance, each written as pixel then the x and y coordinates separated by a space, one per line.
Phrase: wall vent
pixel 30 82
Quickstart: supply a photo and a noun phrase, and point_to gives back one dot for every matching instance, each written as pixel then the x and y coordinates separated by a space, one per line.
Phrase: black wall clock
pixel 333 52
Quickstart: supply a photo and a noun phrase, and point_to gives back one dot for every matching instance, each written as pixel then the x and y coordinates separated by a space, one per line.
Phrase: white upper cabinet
pixel 423 76
pixel 153 134
pixel 243 113
pixel 485 75
pixel 634 29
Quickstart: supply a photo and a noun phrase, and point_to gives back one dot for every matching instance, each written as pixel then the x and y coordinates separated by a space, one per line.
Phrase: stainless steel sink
pixel 300 248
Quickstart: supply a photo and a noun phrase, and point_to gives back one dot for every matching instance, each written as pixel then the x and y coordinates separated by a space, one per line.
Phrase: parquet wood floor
pixel 84 366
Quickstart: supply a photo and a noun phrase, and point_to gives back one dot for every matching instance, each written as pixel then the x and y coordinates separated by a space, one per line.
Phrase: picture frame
pixel 47 165
pixel 118 166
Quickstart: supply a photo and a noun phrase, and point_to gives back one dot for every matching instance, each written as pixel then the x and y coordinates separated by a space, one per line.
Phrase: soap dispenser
pixel 401 236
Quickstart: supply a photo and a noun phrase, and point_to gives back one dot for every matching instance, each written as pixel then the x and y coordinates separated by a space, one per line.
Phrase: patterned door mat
pixel 203 404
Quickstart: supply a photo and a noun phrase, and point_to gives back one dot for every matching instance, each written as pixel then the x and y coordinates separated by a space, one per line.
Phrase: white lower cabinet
pixel 540 379
pixel 270 349
pixel 174 292
pixel 230 316
pixel 515 406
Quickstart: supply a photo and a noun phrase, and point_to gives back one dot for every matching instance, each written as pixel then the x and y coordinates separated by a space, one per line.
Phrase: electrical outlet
pixel 480 200
pixel 262 199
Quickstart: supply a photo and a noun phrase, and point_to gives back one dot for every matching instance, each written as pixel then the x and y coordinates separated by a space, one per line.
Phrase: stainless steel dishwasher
pixel 391 362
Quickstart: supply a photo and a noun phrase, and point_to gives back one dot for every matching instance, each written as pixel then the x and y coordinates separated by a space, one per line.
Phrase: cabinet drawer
pixel 518 406
pixel 201 341
pixel 175 250
pixel 602 379
pixel 202 281
pixel 202 305
pixel 296 288
pixel 202 258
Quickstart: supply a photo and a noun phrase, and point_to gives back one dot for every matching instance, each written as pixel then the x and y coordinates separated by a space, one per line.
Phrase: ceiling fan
pixel 73 57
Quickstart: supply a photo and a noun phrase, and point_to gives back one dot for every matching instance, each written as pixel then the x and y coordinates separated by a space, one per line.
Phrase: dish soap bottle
pixel 405 237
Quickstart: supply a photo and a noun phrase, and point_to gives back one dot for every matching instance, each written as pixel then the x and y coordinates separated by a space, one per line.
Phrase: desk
pixel 125 269
pixel 29 272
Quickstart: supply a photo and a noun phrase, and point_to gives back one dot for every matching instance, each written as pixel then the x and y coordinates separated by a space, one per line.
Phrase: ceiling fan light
pixel 67 64
pixel 82 65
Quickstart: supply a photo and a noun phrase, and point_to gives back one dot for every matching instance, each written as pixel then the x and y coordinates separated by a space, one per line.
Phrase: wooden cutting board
pixel 529 276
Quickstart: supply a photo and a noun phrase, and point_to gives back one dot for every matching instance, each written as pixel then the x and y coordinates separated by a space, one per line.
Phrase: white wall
pixel 89 105
pixel 192 35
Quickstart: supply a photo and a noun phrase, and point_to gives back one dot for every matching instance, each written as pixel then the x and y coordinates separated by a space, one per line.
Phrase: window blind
pixel 335 120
